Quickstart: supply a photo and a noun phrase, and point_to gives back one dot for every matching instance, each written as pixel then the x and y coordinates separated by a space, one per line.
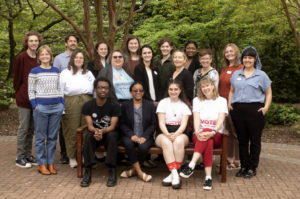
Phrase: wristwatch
pixel 215 132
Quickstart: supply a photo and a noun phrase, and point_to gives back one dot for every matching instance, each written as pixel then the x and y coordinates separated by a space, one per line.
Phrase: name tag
pixel 229 72
pixel 239 79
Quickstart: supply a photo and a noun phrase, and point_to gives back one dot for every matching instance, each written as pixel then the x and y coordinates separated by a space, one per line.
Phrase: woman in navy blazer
pixel 138 123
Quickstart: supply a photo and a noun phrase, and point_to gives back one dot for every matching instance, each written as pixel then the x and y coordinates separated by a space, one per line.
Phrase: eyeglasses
pixel 205 59
pixel 138 91
pixel 118 57
pixel 101 88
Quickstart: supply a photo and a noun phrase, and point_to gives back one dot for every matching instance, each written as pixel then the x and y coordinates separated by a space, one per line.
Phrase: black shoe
pixel 87 178
pixel 186 172
pixel 242 172
pixel 64 159
pixel 250 173
pixel 112 179
pixel 207 185
pixel 200 166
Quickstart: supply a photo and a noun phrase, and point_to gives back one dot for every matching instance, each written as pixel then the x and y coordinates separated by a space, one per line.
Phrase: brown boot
pixel 52 169
pixel 43 170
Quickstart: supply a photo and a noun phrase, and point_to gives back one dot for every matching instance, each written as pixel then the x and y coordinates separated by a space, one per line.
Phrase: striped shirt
pixel 44 86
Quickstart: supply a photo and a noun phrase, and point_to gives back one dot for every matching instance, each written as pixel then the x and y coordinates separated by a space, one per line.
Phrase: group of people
pixel 126 91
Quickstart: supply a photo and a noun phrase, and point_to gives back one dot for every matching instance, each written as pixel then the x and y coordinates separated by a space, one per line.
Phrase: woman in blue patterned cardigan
pixel 48 104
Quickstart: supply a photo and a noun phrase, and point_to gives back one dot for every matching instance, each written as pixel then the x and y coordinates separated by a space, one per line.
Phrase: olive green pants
pixel 72 119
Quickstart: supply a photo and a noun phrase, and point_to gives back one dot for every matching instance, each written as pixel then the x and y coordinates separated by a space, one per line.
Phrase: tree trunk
pixel 88 30
pixel 12 45
pixel 290 22
pixel 99 14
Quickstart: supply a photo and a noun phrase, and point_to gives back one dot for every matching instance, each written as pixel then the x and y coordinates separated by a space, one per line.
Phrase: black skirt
pixel 170 128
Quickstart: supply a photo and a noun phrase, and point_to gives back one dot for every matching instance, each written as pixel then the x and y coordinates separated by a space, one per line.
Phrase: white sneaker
pixel 73 162
pixel 168 180
pixel 176 183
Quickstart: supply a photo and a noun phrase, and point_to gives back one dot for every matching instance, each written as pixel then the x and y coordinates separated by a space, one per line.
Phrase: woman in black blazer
pixel 138 123
pixel 192 63
pixel 147 74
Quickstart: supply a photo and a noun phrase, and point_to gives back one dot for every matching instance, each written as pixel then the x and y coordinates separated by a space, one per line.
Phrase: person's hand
pixel 142 140
pixel 35 108
pixel 204 136
pixel 135 139
pixel 169 136
pixel 173 136
pixel 263 110
pixel 229 107
pixel 198 135
pixel 98 134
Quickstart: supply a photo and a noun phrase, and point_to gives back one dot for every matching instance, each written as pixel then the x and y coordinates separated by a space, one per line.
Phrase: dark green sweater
pixel 164 70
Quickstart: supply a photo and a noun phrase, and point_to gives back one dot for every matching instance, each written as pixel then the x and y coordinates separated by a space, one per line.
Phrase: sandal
pixel 146 177
pixel 231 167
pixel 128 174
pixel 237 165
pixel 150 162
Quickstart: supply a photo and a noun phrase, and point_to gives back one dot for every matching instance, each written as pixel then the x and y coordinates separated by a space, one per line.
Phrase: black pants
pixel 142 149
pixel 110 142
pixel 62 141
pixel 249 124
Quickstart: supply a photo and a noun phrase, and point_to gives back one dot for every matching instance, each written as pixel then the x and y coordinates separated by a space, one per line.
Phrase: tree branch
pixel 47 27
pixel 88 28
pixel 70 22
pixel 291 23
pixel 119 9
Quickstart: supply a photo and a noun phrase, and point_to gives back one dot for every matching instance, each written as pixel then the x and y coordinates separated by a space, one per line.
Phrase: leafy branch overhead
pixel 114 9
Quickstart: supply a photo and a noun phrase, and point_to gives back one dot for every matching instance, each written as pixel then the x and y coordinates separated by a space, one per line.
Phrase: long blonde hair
pixel 226 63
pixel 207 80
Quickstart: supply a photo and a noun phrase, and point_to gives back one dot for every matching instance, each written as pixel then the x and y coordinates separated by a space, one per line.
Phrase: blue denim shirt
pixel 249 90
pixel 138 120
pixel 61 61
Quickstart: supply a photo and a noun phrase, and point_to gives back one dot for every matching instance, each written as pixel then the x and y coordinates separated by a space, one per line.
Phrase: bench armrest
pixel 81 129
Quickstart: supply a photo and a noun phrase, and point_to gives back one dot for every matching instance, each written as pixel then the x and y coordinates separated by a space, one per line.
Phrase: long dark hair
pixel 72 64
pixel 97 58
pixel 182 95
pixel 152 64
pixel 127 52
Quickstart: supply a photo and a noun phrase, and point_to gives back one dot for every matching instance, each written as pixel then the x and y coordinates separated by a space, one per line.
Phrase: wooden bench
pixel 189 150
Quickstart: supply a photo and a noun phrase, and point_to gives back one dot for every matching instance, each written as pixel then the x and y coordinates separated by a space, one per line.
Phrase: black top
pixel 90 66
pixel 101 115
pixel 195 64
pixel 140 75
pixel 186 78
pixel 127 119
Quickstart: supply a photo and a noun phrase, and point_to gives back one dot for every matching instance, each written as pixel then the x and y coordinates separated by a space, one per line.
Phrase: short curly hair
pixel 31 33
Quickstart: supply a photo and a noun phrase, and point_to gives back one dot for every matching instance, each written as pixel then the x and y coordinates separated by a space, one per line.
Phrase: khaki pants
pixel 233 144
pixel 72 119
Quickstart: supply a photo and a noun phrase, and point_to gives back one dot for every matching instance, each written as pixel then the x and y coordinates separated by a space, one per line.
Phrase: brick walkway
pixel 278 176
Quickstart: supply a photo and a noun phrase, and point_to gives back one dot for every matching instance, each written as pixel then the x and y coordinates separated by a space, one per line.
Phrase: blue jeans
pixel 46 123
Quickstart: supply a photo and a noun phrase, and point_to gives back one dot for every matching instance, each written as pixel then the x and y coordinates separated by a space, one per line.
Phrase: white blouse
pixel 76 84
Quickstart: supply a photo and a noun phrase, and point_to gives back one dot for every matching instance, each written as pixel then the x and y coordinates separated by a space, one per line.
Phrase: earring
pixel 39 60
pixel 51 59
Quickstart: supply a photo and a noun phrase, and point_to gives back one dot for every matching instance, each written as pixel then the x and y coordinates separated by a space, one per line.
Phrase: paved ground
pixel 278 176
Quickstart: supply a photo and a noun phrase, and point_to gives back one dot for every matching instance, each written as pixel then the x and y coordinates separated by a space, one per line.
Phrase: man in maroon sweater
pixel 23 64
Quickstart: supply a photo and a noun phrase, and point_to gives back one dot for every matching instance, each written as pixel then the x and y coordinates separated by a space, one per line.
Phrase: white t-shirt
pixel 173 111
pixel 151 85
pixel 77 84
pixel 209 111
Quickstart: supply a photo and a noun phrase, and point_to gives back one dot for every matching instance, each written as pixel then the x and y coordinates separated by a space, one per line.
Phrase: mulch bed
pixel 9 123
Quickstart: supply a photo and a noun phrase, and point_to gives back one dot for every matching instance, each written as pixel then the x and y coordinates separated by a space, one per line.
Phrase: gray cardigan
pixel 107 72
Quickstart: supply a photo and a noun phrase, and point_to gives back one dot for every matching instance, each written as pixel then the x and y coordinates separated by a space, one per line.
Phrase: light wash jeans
pixel 46 123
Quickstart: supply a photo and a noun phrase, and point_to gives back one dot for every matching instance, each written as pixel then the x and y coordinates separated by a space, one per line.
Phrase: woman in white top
pixel 209 111
pixel 173 114
pixel 76 84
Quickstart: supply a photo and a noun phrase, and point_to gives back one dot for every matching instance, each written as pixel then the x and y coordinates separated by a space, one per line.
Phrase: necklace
pixel 173 109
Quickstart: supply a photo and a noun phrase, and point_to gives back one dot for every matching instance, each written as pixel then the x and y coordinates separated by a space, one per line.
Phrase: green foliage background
pixel 211 23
